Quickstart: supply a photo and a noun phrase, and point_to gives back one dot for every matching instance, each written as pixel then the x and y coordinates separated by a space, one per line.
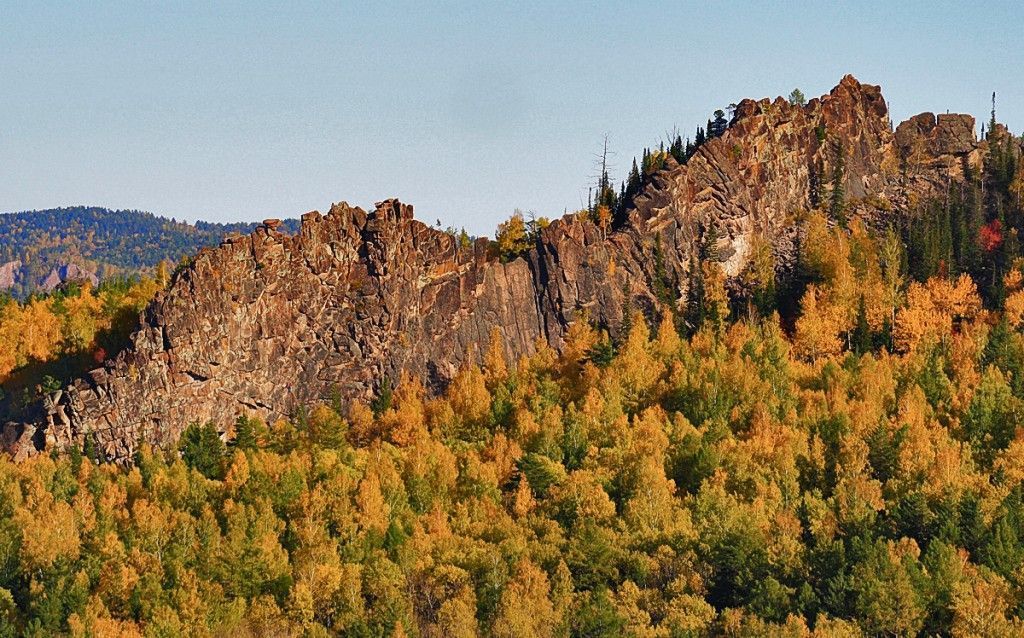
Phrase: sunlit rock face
pixel 269 322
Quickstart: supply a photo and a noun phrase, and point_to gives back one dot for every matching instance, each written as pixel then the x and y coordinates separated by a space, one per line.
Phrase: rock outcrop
pixel 269 322
pixel 14 271
pixel 66 273
pixel 9 274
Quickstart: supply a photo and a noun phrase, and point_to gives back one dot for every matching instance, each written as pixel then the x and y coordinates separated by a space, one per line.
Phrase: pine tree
pixel 718 127
pixel 699 138
pixel 861 340
pixel 992 118
pixel 202 449
pixel 696 288
pixel 678 149
pixel 630 190
pixel 837 197
pixel 662 284
pixel 626 326
pixel 246 436
pixel 694 296
pixel 814 185
pixel 382 403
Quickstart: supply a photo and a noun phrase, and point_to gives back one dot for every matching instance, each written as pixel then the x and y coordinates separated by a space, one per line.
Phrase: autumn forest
pixel 832 449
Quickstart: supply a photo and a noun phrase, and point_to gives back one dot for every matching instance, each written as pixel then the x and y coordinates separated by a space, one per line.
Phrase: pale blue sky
pixel 466 110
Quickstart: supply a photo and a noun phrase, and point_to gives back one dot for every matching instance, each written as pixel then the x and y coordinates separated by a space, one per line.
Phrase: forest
pixel 850 464
pixel 48 340
pixel 108 243
pixel 737 481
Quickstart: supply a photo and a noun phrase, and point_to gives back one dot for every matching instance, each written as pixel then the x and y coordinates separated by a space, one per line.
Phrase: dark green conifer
pixel 837 198
pixel 861 340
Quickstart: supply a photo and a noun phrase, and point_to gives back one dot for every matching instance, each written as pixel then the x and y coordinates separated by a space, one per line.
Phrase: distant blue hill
pixel 40 248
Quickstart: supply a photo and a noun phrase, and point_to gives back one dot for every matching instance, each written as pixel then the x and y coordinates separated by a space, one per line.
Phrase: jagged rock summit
pixel 269 322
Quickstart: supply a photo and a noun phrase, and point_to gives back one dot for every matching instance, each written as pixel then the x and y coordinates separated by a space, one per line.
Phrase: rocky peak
pixel 756 177
pixel 269 322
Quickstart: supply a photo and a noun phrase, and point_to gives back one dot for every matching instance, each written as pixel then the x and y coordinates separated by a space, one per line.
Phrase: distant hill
pixel 39 249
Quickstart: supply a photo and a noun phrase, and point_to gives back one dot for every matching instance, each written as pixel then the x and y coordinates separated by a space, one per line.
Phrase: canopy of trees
pixel 45 341
pixel 737 482
pixel 852 468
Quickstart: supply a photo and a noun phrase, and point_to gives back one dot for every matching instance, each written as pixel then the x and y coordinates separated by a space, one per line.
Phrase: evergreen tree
pixel 861 340
pixel 678 149
pixel 89 449
pixel 662 284
pixel 246 434
pixel 992 118
pixel 627 317
pixel 202 449
pixel 694 296
pixel 815 185
pixel 631 189
pixel 718 126
pixel 382 403
pixel 696 290
pixel 837 197
pixel 968 220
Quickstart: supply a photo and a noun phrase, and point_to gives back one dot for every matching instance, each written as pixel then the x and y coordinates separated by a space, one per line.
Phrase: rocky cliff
pixel 270 321
pixel 13 271
pixel 9 274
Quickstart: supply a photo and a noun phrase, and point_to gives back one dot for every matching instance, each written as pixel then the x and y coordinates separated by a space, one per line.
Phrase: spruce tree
pixel 629 191
pixel 633 182
pixel 862 331
pixel 992 118
pixel 837 198
pixel 627 316
pixel 662 284
pixel 717 127
pixel 694 296
pixel 382 403
pixel 707 251
pixel 202 449
pixel 246 436
pixel 814 184
pixel 677 149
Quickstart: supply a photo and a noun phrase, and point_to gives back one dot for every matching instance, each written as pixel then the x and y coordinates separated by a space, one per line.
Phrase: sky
pixel 241 111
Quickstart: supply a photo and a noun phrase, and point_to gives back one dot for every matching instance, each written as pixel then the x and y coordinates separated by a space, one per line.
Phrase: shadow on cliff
pixel 20 393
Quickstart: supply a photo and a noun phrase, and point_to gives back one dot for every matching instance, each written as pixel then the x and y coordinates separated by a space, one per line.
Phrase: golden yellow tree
pixel 818 328
pixel 933 309
pixel 525 609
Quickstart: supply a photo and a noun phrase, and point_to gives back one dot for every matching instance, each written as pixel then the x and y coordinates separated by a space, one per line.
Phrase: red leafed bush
pixel 991 235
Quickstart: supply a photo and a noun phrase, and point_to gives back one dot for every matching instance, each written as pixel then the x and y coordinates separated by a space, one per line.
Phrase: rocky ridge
pixel 269 322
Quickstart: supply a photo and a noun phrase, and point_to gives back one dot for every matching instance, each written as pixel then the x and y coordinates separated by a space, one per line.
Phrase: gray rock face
pixel 65 273
pixel 8 274
pixel 269 322
pixel 13 271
